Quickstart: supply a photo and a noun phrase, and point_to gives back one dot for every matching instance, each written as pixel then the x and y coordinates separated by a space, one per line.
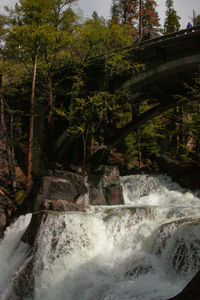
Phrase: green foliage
pixel 147 140
pixel 80 66
pixel 172 23
pixel 150 17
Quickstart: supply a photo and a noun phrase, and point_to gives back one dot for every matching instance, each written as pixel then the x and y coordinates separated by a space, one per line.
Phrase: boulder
pixel 67 191
pixel 77 180
pixel 186 173
pixel 2 222
pixel 114 195
pixel 23 283
pixel 32 230
pixel 82 201
pixel 58 190
pixel 58 205
pixel 104 186
pixel 57 193
pixel 96 196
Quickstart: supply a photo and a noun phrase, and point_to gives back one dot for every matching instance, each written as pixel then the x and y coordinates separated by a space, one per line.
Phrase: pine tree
pixel 126 10
pixel 172 19
pixel 36 34
pixel 114 12
pixel 150 16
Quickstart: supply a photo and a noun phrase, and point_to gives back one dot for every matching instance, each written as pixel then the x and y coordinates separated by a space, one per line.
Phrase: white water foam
pixel 12 252
pixel 92 259
pixel 145 250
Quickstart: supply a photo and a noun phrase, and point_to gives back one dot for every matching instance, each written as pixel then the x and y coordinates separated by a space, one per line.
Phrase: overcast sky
pixel 183 7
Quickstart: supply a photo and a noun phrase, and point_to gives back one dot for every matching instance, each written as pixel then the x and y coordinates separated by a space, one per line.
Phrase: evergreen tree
pixel 172 19
pixel 150 16
pixel 127 10
pixel 114 12
pixel 36 27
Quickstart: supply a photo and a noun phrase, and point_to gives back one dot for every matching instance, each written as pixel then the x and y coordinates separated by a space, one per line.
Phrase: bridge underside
pixel 169 64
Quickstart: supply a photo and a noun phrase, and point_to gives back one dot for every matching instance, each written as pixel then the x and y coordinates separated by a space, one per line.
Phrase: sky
pixel 184 8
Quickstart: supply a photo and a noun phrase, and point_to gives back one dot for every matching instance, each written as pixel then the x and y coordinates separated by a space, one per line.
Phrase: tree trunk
pixel 85 153
pixel 32 106
pixel 50 92
pixel 11 155
pixel 140 18
pixel 139 150
pixel 2 106
pixel 7 139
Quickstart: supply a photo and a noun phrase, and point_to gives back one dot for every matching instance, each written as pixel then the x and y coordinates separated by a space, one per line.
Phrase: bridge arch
pixel 162 71
pixel 171 61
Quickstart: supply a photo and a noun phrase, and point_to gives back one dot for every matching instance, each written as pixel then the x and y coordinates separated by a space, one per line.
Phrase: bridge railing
pixel 169 36
pixel 137 44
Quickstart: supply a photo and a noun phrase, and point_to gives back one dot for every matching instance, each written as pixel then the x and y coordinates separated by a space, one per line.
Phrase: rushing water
pixel 147 249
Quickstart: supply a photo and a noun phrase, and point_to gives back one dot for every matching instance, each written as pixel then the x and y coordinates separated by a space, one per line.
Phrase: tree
pixel 93 108
pixel 196 18
pixel 126 10
pixel 172 19
pixel 150 16
pixel 2 41
pixel 114 12
pixel 36 33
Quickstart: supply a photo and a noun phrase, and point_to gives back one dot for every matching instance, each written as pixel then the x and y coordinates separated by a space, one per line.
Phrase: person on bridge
pixel 189 25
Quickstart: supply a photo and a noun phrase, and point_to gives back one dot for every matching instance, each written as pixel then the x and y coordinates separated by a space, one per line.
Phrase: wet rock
pixel 58 190
pixel 23 285
pixel 57 193
pixel 82 201
pixel 96 196
pixel 77 180
pixel 31 232
pixel 104 186
pixel 186 173
pixel 178 242
pixel 67 191
pixel 137 269
pixel 58 205
pixel 114 195
pixel 2 222
pixel 110 172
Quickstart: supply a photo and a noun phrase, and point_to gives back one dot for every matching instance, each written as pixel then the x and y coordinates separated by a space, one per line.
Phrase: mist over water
pixel 147 249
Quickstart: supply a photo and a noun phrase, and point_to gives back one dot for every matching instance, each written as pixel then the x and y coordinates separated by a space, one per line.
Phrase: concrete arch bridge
pixel 170 62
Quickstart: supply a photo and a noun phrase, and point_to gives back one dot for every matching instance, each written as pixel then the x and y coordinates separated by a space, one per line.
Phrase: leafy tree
pixel 142 144
pixel 92 111
pixel 36 27
pixel 27 20
pixel 172 19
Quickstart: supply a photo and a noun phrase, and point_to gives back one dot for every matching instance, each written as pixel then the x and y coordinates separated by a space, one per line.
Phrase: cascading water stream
pixel 147 249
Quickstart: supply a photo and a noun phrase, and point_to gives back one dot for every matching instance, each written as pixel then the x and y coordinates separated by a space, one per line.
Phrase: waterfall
pixel 147 249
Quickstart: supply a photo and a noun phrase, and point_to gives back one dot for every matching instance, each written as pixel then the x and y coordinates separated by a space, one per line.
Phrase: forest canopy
pixel 60 92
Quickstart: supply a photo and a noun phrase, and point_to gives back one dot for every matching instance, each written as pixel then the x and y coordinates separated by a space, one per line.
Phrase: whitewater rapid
pixel 147 249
